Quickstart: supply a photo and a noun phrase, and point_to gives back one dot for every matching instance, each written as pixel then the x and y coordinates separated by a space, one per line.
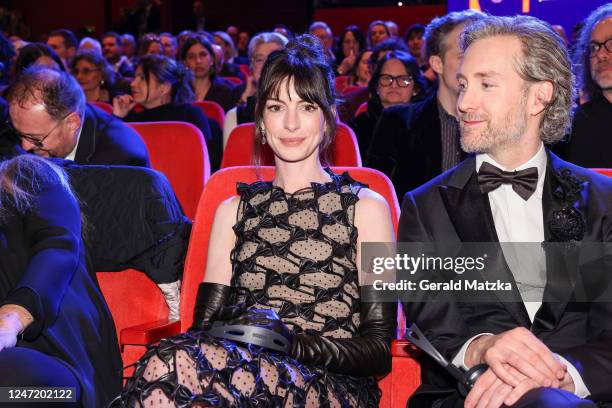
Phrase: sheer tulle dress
pixel 295 254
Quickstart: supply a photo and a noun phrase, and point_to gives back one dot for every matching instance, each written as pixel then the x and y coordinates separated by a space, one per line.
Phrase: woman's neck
pixel 292 177
pixel 93 95
pixel 201 87
pixel 156 103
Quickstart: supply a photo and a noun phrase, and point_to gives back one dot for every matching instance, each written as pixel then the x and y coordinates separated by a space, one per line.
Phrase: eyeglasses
pixel 38 142
pixel 403 81
pixel 595 46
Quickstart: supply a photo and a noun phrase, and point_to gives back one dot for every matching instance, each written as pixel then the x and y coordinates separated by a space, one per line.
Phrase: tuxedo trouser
pixel 24 367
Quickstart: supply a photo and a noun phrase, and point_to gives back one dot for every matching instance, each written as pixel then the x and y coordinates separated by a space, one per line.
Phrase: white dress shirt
pixel 71 156
pixel 507 208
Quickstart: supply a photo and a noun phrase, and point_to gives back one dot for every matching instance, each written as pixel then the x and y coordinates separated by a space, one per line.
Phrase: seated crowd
pixel 464 97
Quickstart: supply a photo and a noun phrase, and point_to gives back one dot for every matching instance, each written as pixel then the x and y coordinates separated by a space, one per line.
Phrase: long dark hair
pixel 304 62
pixel 166 70
pixel 200 39
pixel 31 52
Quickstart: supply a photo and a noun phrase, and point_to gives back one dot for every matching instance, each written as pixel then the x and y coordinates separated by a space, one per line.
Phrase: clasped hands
pixel 518 362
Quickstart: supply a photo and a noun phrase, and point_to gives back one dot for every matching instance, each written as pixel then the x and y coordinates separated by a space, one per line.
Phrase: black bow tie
pixel 523 181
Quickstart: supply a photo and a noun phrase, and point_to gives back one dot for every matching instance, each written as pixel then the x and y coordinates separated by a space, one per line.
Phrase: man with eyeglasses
pixel 416 142
pixel 590 144
pixel 48 113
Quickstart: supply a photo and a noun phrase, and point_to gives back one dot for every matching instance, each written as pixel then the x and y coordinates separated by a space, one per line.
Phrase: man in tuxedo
pixel 48 113
pixel 414 143
pixel 516 93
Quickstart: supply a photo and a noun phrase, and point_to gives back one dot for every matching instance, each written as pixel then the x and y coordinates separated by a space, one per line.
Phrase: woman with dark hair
pixel 396 80
pixel 271 255
pixel 197 54
pixel 360 74
pixel 163 88
pixel 38 54
pixel 95 75
pixel 352 42
pixel 55 327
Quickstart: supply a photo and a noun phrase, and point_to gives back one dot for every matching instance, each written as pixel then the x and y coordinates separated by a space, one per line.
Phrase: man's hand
pixel 13 320
pixel 488 392
pixel 520 349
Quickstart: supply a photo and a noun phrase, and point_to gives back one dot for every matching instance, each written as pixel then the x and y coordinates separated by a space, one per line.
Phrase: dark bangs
pixel 313 82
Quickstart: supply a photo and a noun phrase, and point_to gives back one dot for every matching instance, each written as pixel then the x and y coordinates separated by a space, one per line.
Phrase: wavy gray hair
pixel 545 58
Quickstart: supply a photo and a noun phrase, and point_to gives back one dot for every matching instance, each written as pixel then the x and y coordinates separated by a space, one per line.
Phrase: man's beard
pixel 496 134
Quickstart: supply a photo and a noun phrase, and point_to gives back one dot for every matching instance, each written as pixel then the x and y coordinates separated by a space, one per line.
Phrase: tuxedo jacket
pixel 407 145
pixel 451 208
pixel 107 140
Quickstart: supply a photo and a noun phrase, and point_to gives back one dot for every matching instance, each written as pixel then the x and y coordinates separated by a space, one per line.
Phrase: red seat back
pixel 605 172
pixel 212 110
pixel 340 82
pixel 362 108
pixel 220 187
pixel 233 79
pixel 178 150
pixel 351 88
pixel 240 147
pixel 106 107
pixel 244 69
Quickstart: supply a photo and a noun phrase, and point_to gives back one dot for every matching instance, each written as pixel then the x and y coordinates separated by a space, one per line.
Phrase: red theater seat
pixel 405 375
pixel 212 110
pixel 106 107
pixel 178 150
pixel 605 172
pixel 234 80
pixel 239 148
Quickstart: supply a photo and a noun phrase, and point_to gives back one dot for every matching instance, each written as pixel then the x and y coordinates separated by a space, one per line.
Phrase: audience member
pixel 352 42
pixel 233 32
pixel 197 54
pixel 182 37
pixel 542 342
pixel 64 43
pixel 377 32
pixel 50 116
pixel 590 143
pixel 151 45
pixel 229 68
pixel 96 77
pixel 343 342
pixel 259 48
pixel 284 30
pixel 393 28
pixel 242 47
pixel 414 40
pixel 55 327
pixel 37 54
pixel 396 79
pixel 112 48
pixel 128 47
pixel 354 99
pixel 89 44
pixel 416 142
pixel 170 45
pixel 360 73
pixel 7 54
pixel 198 19
pixel 163 88
pixel 322 31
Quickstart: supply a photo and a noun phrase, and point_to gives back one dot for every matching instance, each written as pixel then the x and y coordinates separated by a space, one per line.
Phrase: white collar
pixel 72 154
pixel 539 160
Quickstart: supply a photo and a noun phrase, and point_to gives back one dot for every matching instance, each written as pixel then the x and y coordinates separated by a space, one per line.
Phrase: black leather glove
pixel 366 355
pixel 210 299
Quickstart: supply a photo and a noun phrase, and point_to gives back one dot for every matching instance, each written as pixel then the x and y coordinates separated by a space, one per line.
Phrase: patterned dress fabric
pixel 294 254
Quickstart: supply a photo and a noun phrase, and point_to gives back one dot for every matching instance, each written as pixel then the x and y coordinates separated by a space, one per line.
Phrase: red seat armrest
pixel 147 333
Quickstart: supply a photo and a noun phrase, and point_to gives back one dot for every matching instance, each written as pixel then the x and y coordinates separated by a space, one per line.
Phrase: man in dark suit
pixel 414 143
pixel 537 353
pixel 48 113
